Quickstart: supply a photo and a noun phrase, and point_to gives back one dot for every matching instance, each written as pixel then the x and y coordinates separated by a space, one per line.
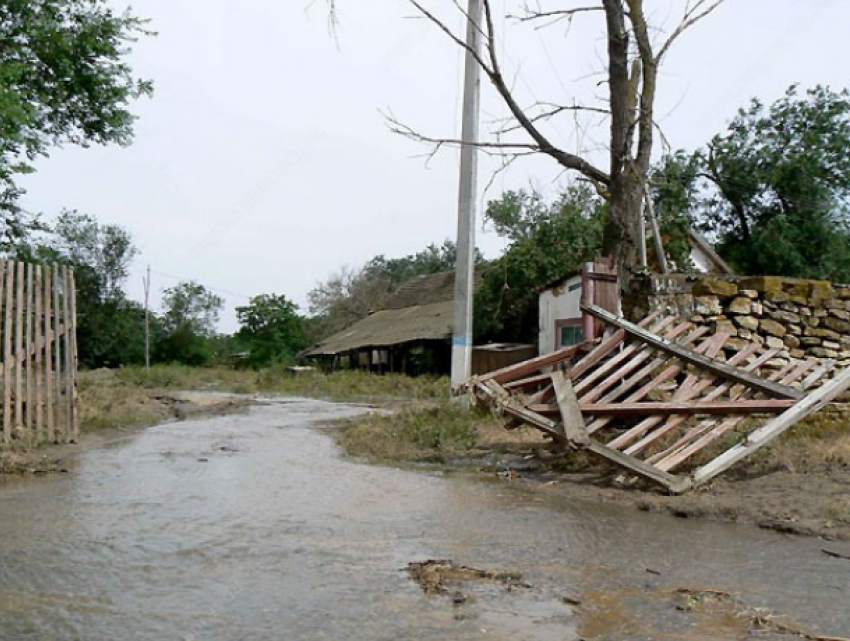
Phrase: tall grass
pixel 337 386
pixel 430 434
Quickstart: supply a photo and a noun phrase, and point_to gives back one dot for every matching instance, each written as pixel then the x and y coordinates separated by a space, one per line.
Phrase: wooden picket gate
pixel 38 339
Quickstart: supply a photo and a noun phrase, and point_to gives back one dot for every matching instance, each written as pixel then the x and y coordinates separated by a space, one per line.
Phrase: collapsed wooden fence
pixel 653 397
pixel 39 353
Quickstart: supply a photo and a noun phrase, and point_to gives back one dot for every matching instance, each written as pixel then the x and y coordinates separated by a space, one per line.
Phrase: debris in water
pixel 433 575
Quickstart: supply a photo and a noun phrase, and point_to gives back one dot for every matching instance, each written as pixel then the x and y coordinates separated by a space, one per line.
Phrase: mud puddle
pixel 253 527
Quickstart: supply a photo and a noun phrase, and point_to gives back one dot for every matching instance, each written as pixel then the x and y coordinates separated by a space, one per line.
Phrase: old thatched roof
pixel 422 309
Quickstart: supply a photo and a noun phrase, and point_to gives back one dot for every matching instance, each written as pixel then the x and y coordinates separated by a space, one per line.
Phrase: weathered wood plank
pixel 720 369
pixel 668 373
pixel 709 431
pixel 626 354
pixel 7 352
pixel 30 343
pixel 69 358
pixel 758 406
pixel 635 356
pixel 527 382
pixel 49 337
pixel 520 370
pixel 675 421
pixel 601 351
pixel 653 365
pixel 39 352
pixel 567 405
pixel 822 370
pixel 57 345
pixel 770 430
pixel 672 482
pixel 542 423
pixel 20 288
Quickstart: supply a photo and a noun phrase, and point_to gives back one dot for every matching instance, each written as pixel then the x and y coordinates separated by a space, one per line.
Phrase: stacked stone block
pixel 804 319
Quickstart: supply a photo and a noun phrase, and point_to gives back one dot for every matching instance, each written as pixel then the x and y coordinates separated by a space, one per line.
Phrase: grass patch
pixel 337 386
pixel 108 400
pixel 431 434
pixel 820 442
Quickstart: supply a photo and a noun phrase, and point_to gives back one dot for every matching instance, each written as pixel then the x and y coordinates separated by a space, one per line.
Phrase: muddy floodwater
pixel 254 527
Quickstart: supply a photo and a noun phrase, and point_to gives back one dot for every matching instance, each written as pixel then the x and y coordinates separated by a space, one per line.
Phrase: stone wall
pixel 805 319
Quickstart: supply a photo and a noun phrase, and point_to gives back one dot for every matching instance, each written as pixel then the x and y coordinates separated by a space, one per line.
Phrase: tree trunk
pixel 620 236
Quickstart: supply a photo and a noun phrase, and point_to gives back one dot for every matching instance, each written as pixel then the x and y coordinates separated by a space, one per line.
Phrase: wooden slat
pixel 20 287
pixel 720 369
pixel 7 352
pixel 30 343
pixel 668 373
pixel 39 352
pixel 616 370
pixel 736 392
pixel 824 368
pixel 626 354
pixel 702 441
pixel 642 373
pixel 674 421
pixel 571 416
pixel 605 348
pixel 542 423
pixel 69 375
pixel 758 406
pixel 527 382
pixel 520 370
pixel 72 323
pixel 57 347
pixel 673 483
pixel 601 351
pixel 770 430
pixel 49 337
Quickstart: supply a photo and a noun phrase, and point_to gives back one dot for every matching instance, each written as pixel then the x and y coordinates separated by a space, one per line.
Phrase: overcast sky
pixel 263 163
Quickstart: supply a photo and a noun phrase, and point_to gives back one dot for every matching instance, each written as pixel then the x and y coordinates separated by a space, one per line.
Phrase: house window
pixel 569 335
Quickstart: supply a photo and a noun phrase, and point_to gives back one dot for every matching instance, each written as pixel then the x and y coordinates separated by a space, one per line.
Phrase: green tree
pixel 271 329
pixel 189 318
pixel 777 184
pixel 547 241
pixel 110 328
pixel 673 187
pixel 64 79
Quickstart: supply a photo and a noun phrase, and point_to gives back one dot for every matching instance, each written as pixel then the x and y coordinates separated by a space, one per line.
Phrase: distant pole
pixel 467 196
pixel 147 322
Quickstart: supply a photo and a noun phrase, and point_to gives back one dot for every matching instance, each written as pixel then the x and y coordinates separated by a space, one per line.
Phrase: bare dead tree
pixel 634 57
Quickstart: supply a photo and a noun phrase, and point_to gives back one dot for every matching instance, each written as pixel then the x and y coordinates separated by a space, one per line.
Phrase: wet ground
pixel 253 527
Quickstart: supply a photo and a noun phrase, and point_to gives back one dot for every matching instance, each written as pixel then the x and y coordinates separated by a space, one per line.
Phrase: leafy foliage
pixel 271 329
pixel 673 187
pixel 63 79
pixel 189 319
pixel 777 186
pixel 110 328
pixel 548 241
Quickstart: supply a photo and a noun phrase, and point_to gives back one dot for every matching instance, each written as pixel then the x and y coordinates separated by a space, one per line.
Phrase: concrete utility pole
pixel 147 282
pixel 467 197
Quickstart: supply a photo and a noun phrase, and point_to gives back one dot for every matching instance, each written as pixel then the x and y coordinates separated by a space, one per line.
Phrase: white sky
pixel 263 164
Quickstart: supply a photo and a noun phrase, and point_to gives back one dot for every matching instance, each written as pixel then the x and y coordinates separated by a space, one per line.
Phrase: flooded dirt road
pixel 253 527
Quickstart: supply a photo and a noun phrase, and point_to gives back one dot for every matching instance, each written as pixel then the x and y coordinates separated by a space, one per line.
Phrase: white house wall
pixel 557 304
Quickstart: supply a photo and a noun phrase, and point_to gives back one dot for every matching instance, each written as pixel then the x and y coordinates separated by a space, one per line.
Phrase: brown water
pixel 253 527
